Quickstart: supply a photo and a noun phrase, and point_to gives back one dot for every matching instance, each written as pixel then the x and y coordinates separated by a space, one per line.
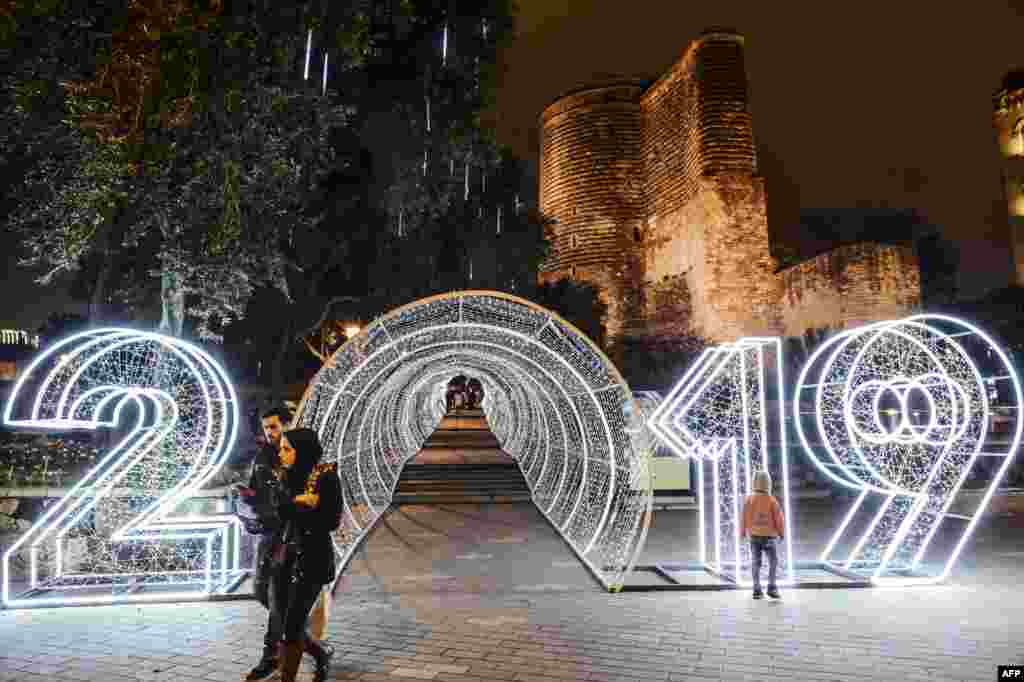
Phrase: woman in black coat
pixel 310 509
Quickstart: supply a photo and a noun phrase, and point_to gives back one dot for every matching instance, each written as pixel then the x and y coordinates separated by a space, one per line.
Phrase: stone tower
pixel 1009 125
pixel 592 185
pixel 656 197
pixel 654 188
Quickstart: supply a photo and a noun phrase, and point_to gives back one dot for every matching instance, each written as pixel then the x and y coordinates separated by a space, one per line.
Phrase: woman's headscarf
pixel 308 452
pixel 762 482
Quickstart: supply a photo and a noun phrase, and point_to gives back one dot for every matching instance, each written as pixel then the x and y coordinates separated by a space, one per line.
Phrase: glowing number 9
pixel 902 413
pixel 180 415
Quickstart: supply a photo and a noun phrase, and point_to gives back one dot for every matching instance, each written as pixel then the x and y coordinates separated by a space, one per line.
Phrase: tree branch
pixel 307 331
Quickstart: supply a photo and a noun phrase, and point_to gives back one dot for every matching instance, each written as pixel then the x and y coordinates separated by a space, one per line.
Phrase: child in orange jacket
pixel 763 522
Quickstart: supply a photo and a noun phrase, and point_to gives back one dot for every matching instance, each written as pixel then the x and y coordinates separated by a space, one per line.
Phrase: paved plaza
pixel 475 593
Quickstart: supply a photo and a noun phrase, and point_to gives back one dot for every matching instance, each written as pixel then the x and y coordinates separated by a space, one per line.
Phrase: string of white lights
pixel 902 411
pixel 718 415
pixel 175 418
pixel 552 399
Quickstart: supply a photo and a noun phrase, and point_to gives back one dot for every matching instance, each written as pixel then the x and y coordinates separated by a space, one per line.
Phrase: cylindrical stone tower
pixel 591 184
pixel 725 128
pixel 1009 125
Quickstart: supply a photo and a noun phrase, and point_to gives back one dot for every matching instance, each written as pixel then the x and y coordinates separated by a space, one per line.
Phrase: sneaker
pixel 758 594
pixel 773 592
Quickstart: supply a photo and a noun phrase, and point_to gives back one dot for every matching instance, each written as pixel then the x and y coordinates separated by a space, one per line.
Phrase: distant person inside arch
pixel 475 394
pixel 457 393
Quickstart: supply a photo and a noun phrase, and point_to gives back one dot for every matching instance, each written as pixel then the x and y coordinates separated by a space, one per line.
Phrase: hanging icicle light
pixel 309 49
pixel 426 98
pixel 470 269
pixel 483 27
pixel 498 230
pixel 466 194
pixel 425 159
pixel 325 74
pixel 483 182
pixel 517 203
pixel 401 222
pixel 451 167
pixel 444 46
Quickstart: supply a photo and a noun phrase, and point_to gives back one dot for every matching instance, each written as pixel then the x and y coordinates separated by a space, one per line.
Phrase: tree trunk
pixel 172 300
pixel 97 301
pixel 110 235
pixel 277 387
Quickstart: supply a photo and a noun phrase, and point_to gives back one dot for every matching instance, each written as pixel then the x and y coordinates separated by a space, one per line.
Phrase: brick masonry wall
pixel 591 183
pixel 706 215
pixel 724 127
pixel 849 286
pixel 591 175
pixel 1008 120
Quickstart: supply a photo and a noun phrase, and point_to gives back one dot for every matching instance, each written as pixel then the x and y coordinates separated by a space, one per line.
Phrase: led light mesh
pixel 901 412
pixel 117 535
pixel 718 414
pixel 552 400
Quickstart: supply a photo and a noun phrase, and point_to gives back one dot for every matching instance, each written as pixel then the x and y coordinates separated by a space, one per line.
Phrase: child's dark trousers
pixel 759 544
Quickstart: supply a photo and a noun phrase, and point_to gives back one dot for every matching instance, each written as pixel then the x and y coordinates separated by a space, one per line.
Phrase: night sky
pixel 854 104
pixel 882 104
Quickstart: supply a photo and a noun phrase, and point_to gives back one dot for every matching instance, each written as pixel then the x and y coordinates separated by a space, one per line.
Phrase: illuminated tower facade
pixel 653 188
pixel 1009 125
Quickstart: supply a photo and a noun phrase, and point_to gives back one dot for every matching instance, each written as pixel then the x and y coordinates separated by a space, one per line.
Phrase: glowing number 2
pixel 129 544
pixel 902 413
pixel 719 415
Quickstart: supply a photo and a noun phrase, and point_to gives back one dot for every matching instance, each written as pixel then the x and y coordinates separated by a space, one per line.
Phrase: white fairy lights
pixel 899 411
pixel 175 417
pixel 552 399
pixel 718 415
pixel 902 410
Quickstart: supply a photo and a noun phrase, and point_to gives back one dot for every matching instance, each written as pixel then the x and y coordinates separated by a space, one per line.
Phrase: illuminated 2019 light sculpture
pixel 552 399
pixel 719 414
pixel 902 413
pixel 174 415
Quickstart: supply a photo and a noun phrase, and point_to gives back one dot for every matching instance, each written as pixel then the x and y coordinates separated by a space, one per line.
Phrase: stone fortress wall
pixel 1009 126
pixel 653 187
pixel 849 286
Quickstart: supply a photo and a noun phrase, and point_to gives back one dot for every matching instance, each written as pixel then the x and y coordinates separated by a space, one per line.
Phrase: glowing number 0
pixel 902 413
pixel 131 545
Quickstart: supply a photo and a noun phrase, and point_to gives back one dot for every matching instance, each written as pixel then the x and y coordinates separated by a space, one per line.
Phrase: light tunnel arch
pixel 553 400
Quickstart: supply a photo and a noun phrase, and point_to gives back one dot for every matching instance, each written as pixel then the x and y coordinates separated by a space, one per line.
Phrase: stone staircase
pixel 461 463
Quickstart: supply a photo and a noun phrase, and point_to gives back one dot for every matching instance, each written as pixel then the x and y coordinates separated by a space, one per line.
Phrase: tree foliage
pixel 188 155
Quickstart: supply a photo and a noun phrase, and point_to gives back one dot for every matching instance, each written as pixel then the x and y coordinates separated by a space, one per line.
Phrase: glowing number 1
pixel 181 417
pixel 719 415
pixel 902 414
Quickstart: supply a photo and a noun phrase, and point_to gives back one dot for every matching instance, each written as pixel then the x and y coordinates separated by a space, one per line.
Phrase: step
pixel 458 499
pixel 456 470
pixel 493 492
pixel 454 473
pixel 438 485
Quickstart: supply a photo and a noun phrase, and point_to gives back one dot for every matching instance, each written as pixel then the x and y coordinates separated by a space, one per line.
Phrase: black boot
pixel 268 665
pixel 322 654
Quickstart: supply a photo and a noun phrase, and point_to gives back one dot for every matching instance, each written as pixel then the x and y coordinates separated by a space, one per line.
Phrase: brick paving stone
pixel 959 631
pixel 414 672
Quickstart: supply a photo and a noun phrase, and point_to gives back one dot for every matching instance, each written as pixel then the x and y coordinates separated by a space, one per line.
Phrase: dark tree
pixel 578 302
pixel 61 325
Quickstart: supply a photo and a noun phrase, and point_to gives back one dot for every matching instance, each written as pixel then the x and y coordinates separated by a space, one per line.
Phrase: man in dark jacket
pixel 262 498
